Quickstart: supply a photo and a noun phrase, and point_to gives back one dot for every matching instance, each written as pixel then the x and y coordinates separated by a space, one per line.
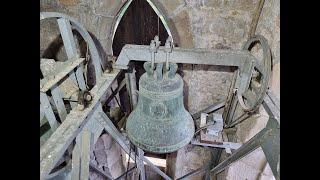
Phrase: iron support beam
pixel 209 109
pixel 219 57
pixel 225 145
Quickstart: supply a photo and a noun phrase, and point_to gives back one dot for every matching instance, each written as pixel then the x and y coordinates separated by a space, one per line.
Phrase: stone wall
pixel 194 24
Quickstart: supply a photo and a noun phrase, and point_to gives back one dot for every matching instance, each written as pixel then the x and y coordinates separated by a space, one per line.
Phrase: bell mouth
pixel 160 149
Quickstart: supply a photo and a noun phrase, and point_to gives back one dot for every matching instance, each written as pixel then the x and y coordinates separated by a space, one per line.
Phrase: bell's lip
pixel 160 149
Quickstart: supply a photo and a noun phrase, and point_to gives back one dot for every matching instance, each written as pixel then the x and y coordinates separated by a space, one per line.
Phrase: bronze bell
pixel 160 123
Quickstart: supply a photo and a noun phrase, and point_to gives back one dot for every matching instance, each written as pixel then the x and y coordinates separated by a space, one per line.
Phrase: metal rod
pixel 239 120
pixel 116 91
pixel 97 169
pixel 125 173
pixel 245 149
pixel 195 172
pixel 255 19
pixel 230 145
pixel 209 109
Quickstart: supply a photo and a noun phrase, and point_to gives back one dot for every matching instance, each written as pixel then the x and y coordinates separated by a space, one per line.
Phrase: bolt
pixel 156 40
pixel 255 73
pixel 88 97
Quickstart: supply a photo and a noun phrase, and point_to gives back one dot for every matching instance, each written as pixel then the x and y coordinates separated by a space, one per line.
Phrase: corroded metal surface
pixel 160 123
pixel 252 75
pixel 219 57
pixel 268 139
pixel 252 96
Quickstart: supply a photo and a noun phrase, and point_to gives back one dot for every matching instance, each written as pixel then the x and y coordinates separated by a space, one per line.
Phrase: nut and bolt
pixel 88 97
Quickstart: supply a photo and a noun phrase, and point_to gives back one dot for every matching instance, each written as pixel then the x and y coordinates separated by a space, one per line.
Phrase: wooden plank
pixel 57 98
pixel 60 140
pixel 48 111
pixel 71 48
pixel 59 73
pixel 76 153
pixel 41 112
pixel 45 137
pixel 94 126
pixel 43 119
pixel 86 144
pixel 80 78
pixel 140 164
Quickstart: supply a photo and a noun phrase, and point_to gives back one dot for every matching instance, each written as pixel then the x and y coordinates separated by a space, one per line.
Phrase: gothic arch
pixel 174 23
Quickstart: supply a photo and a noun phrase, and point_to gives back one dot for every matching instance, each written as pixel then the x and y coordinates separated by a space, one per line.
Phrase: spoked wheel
pixel 253 96
pixel 62 83
pixel 66 24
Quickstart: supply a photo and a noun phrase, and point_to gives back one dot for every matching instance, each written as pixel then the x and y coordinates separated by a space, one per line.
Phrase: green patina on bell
pixel 160 123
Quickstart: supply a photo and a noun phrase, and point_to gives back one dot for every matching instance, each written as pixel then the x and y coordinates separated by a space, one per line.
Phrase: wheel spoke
pixel 44 102
pixel 67 38
pixel 259 67
pixel 255 86
pixel 71 49
pixel 57 98
pixel 250 97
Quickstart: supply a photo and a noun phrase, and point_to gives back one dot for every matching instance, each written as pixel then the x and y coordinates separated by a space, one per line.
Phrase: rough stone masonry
pixel 198 24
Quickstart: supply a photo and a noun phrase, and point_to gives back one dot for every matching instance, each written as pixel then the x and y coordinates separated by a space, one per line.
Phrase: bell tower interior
pixel 213 65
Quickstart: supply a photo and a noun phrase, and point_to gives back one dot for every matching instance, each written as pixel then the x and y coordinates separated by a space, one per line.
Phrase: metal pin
pixel 168 49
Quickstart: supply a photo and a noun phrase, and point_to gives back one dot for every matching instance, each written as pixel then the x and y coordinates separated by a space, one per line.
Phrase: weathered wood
pixel 94 126
pixel 57 98
pixel 140 164
pixel 76 154
pixel 71 48
pixel 44 102
pixel 59 73
pixel 86 144
pixel 60 140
